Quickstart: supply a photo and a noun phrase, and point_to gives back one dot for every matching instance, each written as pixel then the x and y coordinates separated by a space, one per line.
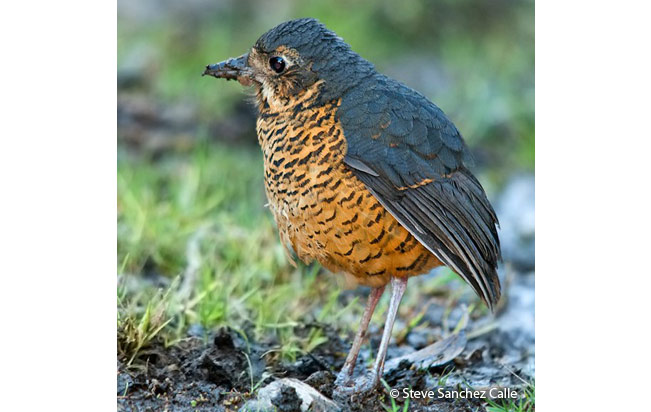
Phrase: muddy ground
pixel 215 372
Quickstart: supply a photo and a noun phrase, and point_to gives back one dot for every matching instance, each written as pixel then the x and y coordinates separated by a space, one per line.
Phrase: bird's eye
pixel 277 64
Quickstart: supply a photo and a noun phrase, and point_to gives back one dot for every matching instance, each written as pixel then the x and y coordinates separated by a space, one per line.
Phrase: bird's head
pixel 292 58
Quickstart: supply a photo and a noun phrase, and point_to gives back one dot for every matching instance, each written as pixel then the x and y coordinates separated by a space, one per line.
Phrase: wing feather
pixel 412 158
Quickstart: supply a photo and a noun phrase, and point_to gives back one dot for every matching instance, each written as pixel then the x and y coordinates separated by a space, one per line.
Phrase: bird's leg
pixel 351 359
pixel 398 286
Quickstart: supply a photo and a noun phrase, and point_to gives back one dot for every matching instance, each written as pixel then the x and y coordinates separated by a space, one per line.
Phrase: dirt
pixel 217 373
pixel 200 375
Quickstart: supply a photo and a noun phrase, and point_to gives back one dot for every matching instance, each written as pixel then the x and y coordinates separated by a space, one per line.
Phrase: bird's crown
pixel 322 50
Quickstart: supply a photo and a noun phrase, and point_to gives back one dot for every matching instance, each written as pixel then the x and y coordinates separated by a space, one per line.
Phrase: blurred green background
pixel 473 58
pixel 196 247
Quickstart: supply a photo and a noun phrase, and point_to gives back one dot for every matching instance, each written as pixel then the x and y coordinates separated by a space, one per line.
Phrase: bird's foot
pixel 345 376
pixel 346 386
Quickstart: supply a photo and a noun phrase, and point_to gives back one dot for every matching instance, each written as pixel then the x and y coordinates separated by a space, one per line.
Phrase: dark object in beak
pixel 231 69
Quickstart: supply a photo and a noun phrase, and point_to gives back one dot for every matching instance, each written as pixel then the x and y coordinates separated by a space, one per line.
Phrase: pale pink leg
pixel 398 286
pixel 349 364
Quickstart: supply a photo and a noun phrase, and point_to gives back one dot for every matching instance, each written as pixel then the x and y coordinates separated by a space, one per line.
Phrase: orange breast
pixel 322 210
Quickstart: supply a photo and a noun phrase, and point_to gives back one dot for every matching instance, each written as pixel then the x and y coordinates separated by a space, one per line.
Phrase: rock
pixel 279 394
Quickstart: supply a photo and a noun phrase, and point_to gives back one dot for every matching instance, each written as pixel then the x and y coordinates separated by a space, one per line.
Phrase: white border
pixel 58 205
pixel 592 205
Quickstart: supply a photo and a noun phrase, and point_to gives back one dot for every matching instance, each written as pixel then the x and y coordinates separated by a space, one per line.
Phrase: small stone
pixel 310 398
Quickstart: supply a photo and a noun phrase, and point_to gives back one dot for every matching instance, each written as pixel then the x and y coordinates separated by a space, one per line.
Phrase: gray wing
pixel 412 158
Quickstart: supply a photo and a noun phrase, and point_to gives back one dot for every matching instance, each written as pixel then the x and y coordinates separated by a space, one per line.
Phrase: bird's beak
pixel 236 68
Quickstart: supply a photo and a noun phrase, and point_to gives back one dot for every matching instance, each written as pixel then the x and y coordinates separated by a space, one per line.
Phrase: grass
pixel 394 407
pixel 526 403
pixel 197 247
pixel 138 325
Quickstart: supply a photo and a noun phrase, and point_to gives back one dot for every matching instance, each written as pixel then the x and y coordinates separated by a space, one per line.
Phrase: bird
pixel 363 174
